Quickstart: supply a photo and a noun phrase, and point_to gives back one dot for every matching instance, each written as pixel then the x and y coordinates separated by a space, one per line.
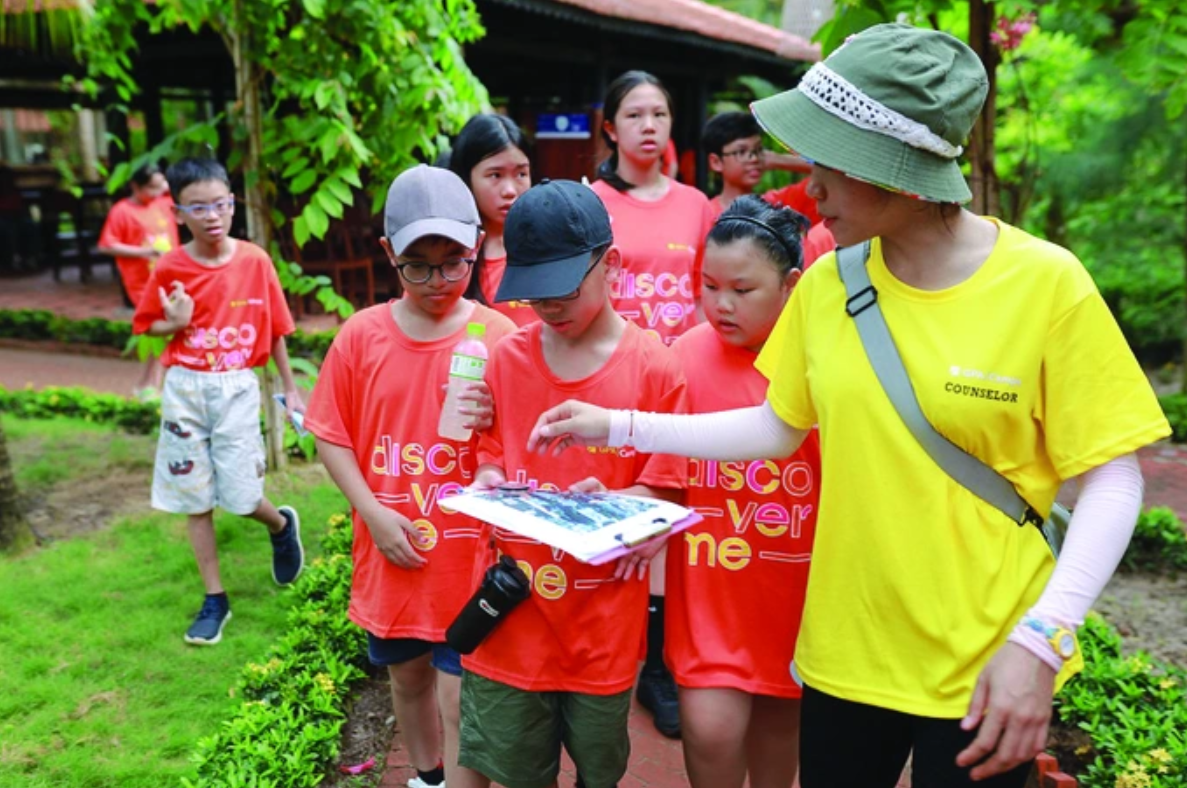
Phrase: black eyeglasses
pixel 573 295
pixel 746 154
pixel 451 270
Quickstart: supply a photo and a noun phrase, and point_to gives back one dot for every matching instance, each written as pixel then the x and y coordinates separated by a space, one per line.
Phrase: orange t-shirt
pixel 520 313
pixel 662 245
pixel 817 243
pixel 379 394
pixel 794 196
pixel 133 223
pixel 239 310
pixel 736 580
pixel 580 630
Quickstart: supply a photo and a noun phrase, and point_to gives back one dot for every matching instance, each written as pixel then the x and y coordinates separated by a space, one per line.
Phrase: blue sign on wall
pixel 562 126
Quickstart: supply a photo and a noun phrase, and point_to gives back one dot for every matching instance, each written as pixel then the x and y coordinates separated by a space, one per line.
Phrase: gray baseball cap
pixel 429 201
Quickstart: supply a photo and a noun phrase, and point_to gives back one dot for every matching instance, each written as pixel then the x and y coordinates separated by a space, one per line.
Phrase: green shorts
pixel 514 736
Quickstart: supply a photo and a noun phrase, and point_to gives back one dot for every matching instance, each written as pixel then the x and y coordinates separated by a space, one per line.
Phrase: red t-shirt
pixel 580 630
pixel 794 196
pixel 662 245
pixel 817 243
pixel 736 580
pixel 239 310
pixel 132 223
pixel 380 394
pixel 492 274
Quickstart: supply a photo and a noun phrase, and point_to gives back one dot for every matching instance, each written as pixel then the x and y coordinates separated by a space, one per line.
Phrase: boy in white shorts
pixel 221 301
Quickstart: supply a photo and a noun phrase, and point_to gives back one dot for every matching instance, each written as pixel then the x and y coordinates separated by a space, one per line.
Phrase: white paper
pixel 587 526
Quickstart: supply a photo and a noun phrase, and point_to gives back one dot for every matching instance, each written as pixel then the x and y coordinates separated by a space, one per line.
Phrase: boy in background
pixel 734 142
pixel 138 230
pixel 226 313
pixel 559 671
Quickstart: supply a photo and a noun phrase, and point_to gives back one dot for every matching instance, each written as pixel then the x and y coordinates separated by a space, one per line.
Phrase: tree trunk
pixel 12 520
pixel 248 79
pixel 984 183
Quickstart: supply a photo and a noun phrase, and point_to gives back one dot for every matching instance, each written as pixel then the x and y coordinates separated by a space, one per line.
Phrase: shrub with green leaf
pixel 286 730
pixel 127 414
pixel 1159 541
pixel 1133 708
pixel 40 325
pixel 1175 408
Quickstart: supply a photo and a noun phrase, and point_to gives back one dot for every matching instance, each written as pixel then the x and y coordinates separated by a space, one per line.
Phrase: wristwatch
pixel 1062 639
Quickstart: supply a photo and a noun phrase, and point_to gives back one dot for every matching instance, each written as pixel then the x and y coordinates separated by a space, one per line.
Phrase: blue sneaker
pixel 288 555
pixel 207 628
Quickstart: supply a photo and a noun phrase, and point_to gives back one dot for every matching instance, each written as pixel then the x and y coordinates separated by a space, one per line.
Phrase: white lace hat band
pixel 837 96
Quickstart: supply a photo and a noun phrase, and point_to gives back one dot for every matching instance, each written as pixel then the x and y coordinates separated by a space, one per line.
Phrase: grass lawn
pixel 99 688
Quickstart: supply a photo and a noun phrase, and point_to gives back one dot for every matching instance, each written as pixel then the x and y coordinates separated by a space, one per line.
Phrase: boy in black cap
pixel 560 669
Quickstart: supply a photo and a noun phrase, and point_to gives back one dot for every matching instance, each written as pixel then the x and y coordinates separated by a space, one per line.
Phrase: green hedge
pixel 286 731
pixel 41 325
pixel 127 414
pixel 1134 709
pixel 1175 408
pixel 1159 542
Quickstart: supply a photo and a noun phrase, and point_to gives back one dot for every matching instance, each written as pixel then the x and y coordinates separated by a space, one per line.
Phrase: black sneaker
pixel 207 628
pixel 288 556
pixel 657 693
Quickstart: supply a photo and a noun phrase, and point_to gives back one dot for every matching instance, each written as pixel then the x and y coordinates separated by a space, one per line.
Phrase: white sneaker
pixel 416 782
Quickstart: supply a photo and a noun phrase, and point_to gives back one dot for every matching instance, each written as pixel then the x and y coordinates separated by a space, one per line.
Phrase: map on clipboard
pixel 592 527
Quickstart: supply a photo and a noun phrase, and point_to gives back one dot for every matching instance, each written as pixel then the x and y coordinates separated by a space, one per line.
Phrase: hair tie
pixel 791 255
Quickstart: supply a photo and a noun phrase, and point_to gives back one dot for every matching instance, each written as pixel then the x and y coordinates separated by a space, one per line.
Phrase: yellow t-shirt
pixel 915 581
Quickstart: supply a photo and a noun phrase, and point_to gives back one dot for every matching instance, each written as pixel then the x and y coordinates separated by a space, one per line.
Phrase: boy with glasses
pixel 221 302
pixel 559 671
pixel 374 412
pixel 734 142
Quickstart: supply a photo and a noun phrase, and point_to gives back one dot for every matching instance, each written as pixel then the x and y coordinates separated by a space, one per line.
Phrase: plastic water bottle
pixel 465 367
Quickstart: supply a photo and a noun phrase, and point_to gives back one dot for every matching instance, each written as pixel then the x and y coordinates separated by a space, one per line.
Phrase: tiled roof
pixel 704 20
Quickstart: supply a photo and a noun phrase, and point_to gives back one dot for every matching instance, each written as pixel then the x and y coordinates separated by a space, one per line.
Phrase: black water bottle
pixel 504 586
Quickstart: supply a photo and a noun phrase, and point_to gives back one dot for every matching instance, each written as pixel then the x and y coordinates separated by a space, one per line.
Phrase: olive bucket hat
pixel 891 106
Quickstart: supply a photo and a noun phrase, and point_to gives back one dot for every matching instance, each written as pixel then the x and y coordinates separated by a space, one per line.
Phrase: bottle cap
pixel 475 329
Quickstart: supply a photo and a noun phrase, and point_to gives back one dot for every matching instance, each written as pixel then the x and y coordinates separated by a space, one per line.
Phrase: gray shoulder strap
pixel 862 305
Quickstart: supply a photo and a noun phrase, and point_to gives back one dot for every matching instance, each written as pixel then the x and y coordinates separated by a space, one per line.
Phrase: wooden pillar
pixel 981 144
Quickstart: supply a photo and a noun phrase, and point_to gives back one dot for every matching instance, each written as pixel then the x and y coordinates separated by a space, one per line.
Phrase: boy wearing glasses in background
pixel 734 142
pixel 220 300
pixel 375 411
pixel 559 671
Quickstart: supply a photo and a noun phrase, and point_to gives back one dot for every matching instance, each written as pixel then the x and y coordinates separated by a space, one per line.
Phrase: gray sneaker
pixel 207 628
pixel 288 555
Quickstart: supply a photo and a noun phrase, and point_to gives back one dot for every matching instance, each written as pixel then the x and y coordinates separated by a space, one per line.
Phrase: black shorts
pixel 844 744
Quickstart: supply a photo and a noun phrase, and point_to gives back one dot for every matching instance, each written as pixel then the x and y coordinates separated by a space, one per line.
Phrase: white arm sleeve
pixel 744 434
pixel 1102 523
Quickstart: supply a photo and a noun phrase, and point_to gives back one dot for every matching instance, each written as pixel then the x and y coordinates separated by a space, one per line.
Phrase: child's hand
pixel 488 478
pixel 477 403
pixel 590 484
pixel 571 423
pixel 293 402
pixel 177 305
pixel 639 561
pixel 394 535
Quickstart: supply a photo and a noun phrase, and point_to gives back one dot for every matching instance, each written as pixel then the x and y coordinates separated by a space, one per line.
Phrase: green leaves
pixel 292 704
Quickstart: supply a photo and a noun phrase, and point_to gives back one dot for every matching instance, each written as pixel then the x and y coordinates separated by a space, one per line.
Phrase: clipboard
pixel 594 528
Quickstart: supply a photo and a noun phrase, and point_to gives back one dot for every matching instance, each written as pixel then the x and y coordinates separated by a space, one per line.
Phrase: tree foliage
pixel 350 92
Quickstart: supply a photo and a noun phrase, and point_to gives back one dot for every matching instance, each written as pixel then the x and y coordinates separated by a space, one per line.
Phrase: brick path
pixel 655 761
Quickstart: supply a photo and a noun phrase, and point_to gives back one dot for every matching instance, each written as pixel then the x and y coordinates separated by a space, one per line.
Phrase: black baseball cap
pixel 549 234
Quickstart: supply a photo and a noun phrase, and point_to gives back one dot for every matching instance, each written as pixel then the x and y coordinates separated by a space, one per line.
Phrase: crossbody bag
pixel 967 470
